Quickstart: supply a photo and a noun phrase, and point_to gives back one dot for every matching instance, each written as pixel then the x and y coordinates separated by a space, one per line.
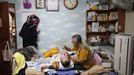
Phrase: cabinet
pixel 12 25
pixel 5 67
pixel 102 20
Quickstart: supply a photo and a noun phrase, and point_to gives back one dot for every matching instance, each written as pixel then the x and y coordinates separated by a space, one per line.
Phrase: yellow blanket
pixel 51 52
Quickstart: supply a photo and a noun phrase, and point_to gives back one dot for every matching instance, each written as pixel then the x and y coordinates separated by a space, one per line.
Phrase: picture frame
pixel 40 4
pixel 27 5
pixel 52 5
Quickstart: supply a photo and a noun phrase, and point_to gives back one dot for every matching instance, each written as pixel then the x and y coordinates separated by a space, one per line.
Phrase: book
pixel 95 26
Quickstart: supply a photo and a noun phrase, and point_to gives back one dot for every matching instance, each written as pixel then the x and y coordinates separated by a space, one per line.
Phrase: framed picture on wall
pixel 27 5
pixel 40 4
pixel 52 5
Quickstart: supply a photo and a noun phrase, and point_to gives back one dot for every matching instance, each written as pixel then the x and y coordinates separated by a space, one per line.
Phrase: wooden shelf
pixel 101 33
pixel 98 11
pixel 103 11
pixel 114 9
pixel 97 21
pixel 111 21
pixel 96 33
pixel 100 44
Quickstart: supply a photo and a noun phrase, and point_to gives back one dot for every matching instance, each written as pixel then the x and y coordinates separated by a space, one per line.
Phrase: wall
pixel 11 1
pixel 54 26
pixel 129 26
pixel 3 0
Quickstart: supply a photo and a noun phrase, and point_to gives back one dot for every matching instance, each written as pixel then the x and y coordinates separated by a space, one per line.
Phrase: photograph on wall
pixel 27 5
pixel 52 5
pixel 40 4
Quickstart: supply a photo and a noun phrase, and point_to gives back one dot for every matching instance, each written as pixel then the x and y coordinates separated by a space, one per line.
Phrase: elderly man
pixel 84 58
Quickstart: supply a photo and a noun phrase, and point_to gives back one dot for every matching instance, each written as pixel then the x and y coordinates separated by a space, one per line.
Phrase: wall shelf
pixel 103 18
pixel 103 11
pixel 110 21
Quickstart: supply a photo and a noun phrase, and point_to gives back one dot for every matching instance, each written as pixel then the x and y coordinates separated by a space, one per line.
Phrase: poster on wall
pixel 27 5
pixel 52 5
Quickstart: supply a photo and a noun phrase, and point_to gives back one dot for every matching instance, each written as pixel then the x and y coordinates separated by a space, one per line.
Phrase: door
pixel 12 26
pixel 5 67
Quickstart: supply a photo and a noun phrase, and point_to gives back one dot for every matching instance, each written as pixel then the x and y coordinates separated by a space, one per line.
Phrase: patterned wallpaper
pixel 56 27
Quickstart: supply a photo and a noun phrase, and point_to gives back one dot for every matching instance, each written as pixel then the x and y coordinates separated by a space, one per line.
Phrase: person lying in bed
pixel 84 57
pixel 60 61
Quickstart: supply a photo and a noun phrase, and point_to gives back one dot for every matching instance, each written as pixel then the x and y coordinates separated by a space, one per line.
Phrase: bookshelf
pixel 102 20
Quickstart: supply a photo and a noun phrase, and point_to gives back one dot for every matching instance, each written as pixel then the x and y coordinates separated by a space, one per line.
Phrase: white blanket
pixel 38 63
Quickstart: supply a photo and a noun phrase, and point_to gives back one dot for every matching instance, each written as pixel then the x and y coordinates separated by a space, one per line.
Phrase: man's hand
pixel 67 48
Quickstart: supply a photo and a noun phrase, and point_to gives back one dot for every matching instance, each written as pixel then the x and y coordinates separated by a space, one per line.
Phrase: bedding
pixel 36 65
